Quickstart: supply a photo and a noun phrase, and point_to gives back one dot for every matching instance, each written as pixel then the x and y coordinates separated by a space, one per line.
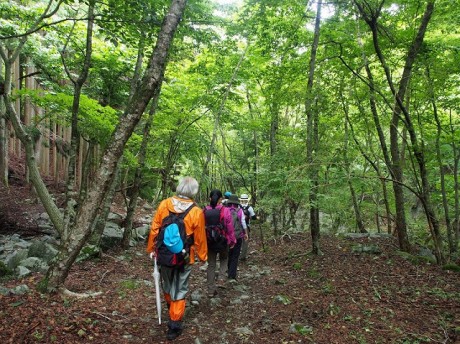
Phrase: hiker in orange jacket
pixel 175 280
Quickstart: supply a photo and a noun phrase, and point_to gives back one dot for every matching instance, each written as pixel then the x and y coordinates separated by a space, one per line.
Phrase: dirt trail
pixel 283 296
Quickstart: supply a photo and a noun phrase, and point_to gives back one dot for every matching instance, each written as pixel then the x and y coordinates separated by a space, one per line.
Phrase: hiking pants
pixel 233 255
pixel 175 287
pixel 212 263
pixel 244 247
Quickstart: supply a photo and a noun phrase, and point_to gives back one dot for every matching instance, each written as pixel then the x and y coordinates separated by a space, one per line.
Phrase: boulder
pixel 42 250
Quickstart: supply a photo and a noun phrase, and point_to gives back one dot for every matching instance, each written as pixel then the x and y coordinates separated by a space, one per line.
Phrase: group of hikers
pixel 181 231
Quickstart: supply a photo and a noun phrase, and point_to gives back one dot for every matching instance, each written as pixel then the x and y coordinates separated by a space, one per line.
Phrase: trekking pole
pixel 156 277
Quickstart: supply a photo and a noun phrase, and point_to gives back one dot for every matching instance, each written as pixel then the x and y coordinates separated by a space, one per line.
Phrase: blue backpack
pixel 172 244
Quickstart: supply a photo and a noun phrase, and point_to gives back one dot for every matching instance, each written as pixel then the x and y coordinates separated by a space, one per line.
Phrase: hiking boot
pixel 173 333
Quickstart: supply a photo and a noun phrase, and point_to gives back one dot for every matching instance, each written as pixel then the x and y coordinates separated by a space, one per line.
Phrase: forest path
pixel 283 295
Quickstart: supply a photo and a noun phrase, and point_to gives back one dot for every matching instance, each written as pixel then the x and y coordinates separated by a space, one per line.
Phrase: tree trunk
pixel 71 196
pixel 387 206
pixel 3 147
pixel 456 153
pixel 96 235
pixel 445 203
pixel 381 136
pixel 134 191
pixel 398 110
pixel 396 169
pixel 28 143
pixel 313 139
pixel 3 139
pixel 92 205
pixel 255 166
pixel 357 211
pixel 417 150
pixel 206 173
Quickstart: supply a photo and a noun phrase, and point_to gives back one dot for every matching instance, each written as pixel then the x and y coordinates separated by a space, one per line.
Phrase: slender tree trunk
pixel 387 206
pixel 456 153
pixel 3 147
pixel 417 148
pixel 135 190
pixel 380 134
pixel 445 203
pixel 88 157
pixel 254 184
pixel 28 143
pixel 313 139
pixel 93 204
pixel 69 214
pixel 358 217
pixel 206 173
pixel 3 137
pixel 274 126
pixel 396 169
pixel 99 227
pixel 9 57
pixel 398 110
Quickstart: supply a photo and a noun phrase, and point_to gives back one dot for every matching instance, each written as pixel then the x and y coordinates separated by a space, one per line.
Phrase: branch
pixel 17 50
pixel 61 53
pixel 38 28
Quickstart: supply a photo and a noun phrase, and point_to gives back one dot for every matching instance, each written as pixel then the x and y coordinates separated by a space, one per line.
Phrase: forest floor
pixel 283 295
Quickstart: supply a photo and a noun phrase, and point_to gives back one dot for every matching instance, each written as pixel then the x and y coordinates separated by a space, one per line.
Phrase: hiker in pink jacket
pixel 220 236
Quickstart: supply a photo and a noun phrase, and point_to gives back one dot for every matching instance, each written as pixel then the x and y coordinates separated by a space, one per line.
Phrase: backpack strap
pixel 184 214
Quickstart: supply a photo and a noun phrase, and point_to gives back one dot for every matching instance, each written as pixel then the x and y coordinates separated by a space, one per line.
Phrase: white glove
pixel 151 255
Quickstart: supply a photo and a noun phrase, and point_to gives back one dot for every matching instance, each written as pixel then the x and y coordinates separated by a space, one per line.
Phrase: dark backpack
pixel 215 230
pixel 165 257
pixel 236 222
pixel 246 212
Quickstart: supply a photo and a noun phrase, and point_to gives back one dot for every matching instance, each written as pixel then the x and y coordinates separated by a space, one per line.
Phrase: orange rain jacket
pixel 194 224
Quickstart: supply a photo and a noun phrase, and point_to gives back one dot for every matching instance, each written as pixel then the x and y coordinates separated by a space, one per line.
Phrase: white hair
pixel 187 187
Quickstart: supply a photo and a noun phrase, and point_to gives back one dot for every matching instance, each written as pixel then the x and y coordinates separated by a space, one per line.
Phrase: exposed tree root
pixel 66 292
